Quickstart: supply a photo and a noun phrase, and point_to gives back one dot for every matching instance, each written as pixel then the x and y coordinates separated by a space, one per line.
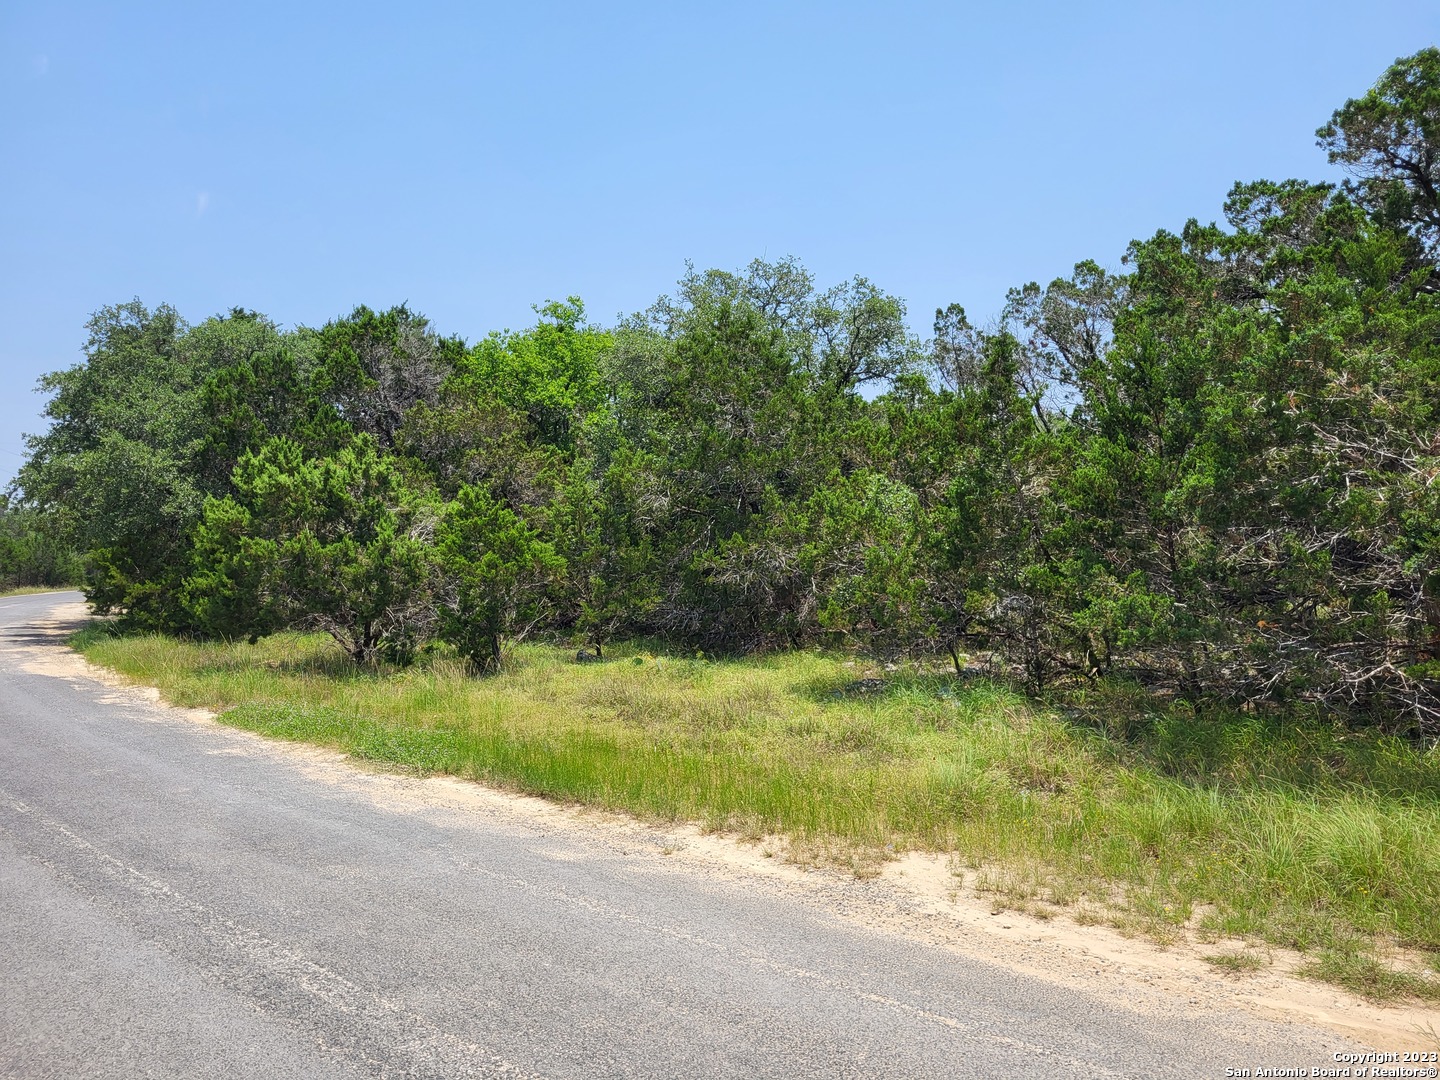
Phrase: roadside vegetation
pixel 1212 474
pixel 34 556
pixel 1186 512
pixel 1160 819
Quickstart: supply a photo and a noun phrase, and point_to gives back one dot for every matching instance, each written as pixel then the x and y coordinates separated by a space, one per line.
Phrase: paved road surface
pixel 181 900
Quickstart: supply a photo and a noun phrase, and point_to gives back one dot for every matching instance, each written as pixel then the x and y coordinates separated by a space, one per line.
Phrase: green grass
pixel 1165 822
pixel 1245 963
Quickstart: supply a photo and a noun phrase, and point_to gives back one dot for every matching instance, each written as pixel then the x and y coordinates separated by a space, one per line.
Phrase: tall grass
pixel 1292 834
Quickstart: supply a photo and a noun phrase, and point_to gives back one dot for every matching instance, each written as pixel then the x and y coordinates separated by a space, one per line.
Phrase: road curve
pixel 178 899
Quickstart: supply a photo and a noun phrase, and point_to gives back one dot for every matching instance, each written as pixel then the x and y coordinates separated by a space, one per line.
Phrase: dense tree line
pixel 33 552
pixel 1214 471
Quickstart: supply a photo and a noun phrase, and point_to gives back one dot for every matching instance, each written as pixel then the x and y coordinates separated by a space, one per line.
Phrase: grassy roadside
pixel 1162 824
pixel 34 590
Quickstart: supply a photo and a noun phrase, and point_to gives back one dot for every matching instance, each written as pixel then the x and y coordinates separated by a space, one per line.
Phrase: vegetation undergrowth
pixel 1163 822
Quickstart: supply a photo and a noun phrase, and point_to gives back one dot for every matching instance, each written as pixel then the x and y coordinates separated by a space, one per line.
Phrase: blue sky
pixel 475 159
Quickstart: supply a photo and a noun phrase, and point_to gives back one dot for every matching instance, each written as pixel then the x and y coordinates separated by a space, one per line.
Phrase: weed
pixel 1358 969
pixel 1244 963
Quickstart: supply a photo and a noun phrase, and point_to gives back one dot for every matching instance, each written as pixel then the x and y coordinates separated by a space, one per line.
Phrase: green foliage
pixel 334 543
pixel 32 551
pixel 373 367
pixel 1388 140
pixel 1254 477
pixel 610 561
pixel 865 552
pixel 496 571
pixel 1212 472
pixel 118 464
pixel 549 374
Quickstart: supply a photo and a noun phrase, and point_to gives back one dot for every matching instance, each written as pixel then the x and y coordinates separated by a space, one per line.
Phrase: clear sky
pixel 475 159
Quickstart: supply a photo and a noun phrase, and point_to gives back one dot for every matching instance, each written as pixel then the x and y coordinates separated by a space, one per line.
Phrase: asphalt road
pixel 178 899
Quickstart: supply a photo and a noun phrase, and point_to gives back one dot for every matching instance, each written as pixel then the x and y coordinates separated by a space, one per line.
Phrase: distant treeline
pixel 32 551
pixel 1215 471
